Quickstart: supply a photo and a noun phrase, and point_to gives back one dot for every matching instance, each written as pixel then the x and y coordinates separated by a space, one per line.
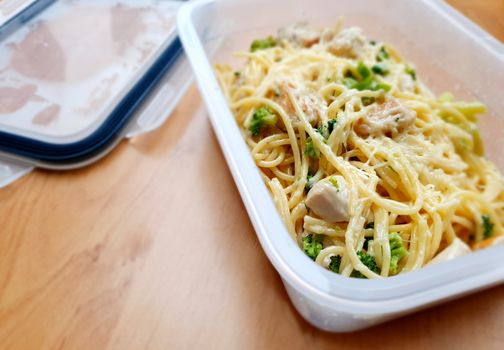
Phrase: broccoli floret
pixel 262 117
pixel 411 72
pixel 375 86
pixel 309 182
pixel 380 68
pixel 334 182
pixel 349 82
pixel 363 70
pixel 367 260
pixel 384 87
pixel 382 54
pixel 330 125
pixel 366 101
pixel 326 129
pixel 366 82
pixel 397 251
pixel 312 245
pixel 488 226
pixel 335 263
pixel 310 149
pixel 261 44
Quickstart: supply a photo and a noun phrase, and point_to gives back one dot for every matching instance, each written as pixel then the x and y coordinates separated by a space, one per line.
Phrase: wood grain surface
pixel 151 248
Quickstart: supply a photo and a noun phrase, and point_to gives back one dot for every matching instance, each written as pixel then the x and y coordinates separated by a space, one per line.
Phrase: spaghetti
pixel 372 174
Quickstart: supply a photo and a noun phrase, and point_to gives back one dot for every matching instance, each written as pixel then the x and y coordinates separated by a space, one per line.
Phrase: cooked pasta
pixel 372 174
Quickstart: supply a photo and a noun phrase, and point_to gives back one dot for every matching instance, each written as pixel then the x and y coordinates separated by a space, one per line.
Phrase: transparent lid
pixel 68 66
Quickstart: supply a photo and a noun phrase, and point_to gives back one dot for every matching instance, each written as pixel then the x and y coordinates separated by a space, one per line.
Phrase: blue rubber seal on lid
pixel 22 17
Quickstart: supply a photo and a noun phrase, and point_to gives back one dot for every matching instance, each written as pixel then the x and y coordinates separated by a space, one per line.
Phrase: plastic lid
pixel 74 72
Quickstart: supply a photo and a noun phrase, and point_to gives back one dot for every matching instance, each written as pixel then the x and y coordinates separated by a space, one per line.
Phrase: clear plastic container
pixel 450 52
pixel 77 76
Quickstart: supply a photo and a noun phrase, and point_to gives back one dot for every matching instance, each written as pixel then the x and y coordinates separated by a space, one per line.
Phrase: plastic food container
pixel 450 53
pixel 78 76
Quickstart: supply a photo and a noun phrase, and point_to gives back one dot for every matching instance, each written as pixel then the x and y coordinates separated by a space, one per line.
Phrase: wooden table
pixel 151 248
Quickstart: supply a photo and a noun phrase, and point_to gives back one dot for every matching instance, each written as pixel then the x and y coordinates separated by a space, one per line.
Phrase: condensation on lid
pixel 63 73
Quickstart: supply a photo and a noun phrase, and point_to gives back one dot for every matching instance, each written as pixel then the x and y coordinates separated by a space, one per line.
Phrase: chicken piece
pixel 348 43
pixel 311 104
pixel 389 118
pixel 328 198
pixel 327 35
pixel 456 249
pixel 300 34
